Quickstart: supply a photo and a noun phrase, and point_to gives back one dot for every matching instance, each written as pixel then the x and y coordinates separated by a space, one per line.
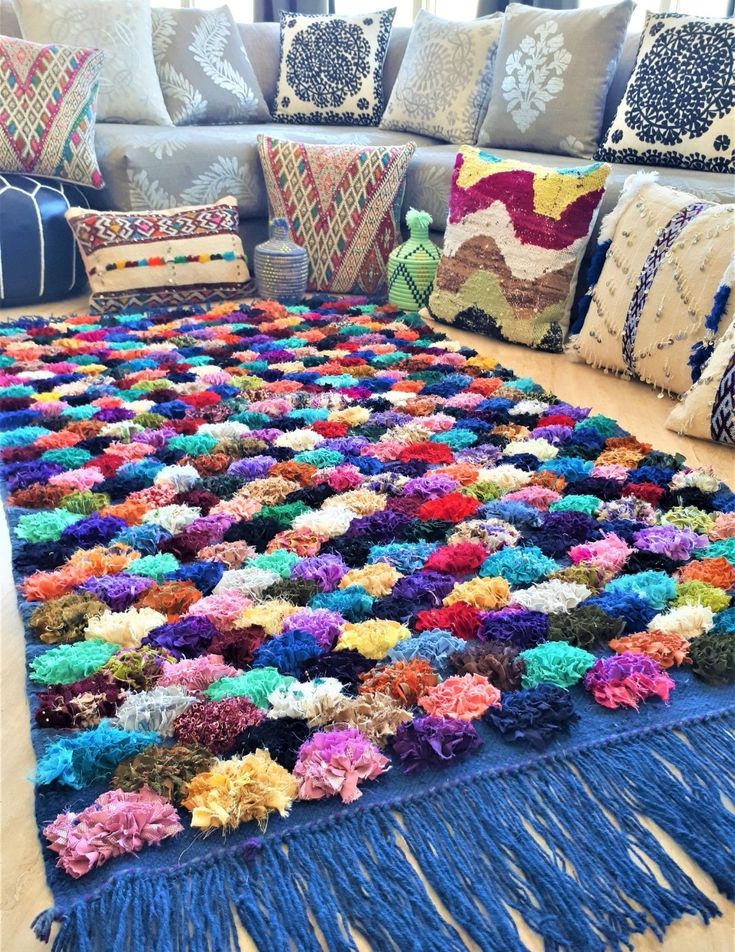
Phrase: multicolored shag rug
pixel 314 592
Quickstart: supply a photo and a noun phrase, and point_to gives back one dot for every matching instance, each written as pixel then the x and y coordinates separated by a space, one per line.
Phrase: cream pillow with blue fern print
pixel 204 71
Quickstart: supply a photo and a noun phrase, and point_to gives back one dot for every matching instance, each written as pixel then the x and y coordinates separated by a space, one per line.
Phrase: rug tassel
pixel 561 843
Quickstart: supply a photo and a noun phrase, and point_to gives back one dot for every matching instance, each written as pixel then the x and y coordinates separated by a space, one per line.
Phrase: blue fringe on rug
pixel 564 842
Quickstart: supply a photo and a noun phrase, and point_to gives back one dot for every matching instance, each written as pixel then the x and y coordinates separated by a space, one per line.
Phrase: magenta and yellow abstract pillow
pixel 513 245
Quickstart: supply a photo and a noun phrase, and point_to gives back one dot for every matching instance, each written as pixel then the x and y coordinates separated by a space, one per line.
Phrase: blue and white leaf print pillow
pixel 679 107
pixel 332 68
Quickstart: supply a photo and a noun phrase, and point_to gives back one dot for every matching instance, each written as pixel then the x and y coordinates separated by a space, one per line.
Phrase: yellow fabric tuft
pixel 373 638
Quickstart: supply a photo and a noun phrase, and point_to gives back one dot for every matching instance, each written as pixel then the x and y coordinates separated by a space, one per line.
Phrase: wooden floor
pixel 638 408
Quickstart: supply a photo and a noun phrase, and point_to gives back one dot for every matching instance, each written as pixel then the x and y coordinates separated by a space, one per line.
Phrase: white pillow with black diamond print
pixel 331 68
pixel 205 74
pixel 679 105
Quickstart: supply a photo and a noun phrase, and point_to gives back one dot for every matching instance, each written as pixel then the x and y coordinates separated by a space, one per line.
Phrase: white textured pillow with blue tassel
pixel 707 410
pixel 666 252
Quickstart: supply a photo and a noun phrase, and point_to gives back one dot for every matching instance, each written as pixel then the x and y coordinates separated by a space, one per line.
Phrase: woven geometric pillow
pixel 665 252
pixel 48 98
pixel 332 68
pixel 343 205
pixel 707 410
pixel 679 106
pixel 205 74
pixel 513 244
pixel 138 260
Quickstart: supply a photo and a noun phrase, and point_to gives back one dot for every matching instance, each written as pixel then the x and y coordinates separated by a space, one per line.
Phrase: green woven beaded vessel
pixel 412 265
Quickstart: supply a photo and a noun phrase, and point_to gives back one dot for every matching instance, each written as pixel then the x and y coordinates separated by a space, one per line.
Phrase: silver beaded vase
pixel 281 266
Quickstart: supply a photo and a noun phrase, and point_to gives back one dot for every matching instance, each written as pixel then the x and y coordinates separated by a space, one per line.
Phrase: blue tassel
pixel 702 350
pixel 594 270
pixel 530 842
pixel 43 923
pixel 719 305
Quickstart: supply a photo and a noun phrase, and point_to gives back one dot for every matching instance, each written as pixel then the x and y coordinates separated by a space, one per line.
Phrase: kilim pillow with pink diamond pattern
pixel 48 102
pixel 342 204
pixel 141 260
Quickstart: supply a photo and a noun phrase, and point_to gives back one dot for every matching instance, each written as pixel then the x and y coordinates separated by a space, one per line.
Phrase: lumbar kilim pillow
pixel 157 259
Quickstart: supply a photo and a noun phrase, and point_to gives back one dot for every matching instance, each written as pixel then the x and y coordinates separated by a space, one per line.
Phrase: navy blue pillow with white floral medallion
pixel 331 68
pixel 679 106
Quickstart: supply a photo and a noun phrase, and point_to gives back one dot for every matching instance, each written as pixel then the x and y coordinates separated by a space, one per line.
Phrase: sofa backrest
pixel 9 25
pixel 620 79
pixel 262 42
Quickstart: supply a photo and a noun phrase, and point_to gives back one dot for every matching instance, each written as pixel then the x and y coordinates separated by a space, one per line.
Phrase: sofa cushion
pixel 552 74
pixel 332 68
pixel 204 71
pixel 679 107
pixel 262 42
pixel 443 87
pixel 129 87
pixel 148 167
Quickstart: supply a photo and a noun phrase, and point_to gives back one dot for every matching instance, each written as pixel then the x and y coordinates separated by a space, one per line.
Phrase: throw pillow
pixel 204 71
pixel 331 68
pixel 707 410
pixel 343 205
pixel 514 241
pixel 665 252
pixel 679 105
pixel 443 86
pixel 139 260
pixel 49 96
pixel 552 75
pixel 129 87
